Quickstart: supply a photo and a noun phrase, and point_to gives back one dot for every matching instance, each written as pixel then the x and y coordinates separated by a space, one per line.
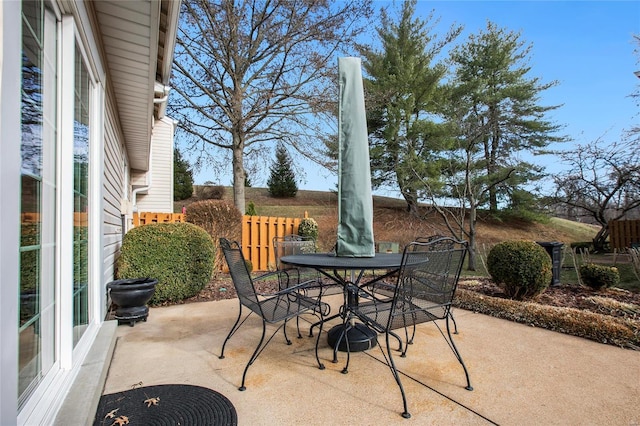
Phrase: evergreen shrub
pixel 599 276
pixel 179 255
pixel 251 209
pixel 521 268
pixel 308 228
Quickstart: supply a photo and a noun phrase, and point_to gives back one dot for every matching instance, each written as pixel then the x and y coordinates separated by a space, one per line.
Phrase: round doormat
pixel 166 405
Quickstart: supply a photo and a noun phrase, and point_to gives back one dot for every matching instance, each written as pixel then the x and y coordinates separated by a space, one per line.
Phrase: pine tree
pixel 182 177
pixel 403 88
pixel 282 182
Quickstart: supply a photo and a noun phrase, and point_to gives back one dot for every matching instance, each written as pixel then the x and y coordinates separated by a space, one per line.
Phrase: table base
pixel 360 337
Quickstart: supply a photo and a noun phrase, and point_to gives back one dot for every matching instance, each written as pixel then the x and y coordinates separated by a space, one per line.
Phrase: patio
pixel 521 374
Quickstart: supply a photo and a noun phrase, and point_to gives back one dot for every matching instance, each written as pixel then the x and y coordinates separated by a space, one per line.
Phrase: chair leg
pixel 254 356
pixel 345 370
pixel 396 376
pixel 318 323
pixel 298 327
pixel 401 348
pixel 458 356
pixel 320 364
pixel 284 331
pixel 343 335
pixel 409 339
pixel 231 332
pixel 413 334
pixel 455 326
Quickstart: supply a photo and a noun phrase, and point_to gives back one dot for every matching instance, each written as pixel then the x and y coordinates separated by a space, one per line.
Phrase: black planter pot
pixel 130 297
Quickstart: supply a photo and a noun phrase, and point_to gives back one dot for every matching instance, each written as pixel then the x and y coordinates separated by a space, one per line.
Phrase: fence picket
pixel 624 233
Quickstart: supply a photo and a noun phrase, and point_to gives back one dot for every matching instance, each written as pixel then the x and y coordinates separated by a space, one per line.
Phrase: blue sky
pixel 585 45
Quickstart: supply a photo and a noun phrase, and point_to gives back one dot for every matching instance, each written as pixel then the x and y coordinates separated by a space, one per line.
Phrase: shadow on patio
pixel 521 374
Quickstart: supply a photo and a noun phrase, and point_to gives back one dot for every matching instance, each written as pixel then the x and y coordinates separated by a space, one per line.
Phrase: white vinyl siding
pixel 113 184
pixel 159 197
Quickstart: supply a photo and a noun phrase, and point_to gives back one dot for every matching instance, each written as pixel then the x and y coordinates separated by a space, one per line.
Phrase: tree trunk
pixel 238 175
pixel 600 240
pixel 471 265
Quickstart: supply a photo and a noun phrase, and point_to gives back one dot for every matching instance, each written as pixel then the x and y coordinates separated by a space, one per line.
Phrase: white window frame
pixel 73 31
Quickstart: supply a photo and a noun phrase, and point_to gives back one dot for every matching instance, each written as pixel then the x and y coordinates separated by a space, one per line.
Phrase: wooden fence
pixel 624 234
pixel 257 237
pixel 257 234
pixel 144 218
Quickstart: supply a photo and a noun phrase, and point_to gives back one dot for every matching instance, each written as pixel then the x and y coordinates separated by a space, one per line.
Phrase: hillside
pixel 393 223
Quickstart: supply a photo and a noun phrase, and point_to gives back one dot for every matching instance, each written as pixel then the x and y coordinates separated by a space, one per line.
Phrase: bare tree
pixel 634 131
pixel 461 188
pixel 602 181
pixel 248 75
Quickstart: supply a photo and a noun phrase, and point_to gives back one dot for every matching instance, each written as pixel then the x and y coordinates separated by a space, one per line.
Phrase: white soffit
pixel 129 32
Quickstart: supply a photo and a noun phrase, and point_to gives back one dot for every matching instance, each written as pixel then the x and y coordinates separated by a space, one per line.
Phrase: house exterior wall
pixel 159 197
pixel 104 215
pixel 116 192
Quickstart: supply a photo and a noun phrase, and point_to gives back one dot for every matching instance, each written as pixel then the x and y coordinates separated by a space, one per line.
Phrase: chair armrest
pixel 284 289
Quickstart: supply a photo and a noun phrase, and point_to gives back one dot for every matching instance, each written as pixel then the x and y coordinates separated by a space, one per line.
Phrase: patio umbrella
pixel 355 202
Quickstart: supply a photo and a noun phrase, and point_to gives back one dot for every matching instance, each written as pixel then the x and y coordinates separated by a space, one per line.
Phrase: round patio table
pixel 351 336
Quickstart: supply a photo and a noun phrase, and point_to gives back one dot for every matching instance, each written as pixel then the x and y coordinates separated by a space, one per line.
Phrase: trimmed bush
pixel 308 228
pixel 219 218
pixel 179 255
pixel 599 276
pixel 210 192
pixel 521 268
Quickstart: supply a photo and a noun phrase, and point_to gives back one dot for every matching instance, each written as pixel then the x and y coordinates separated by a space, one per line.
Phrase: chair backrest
pixel 291 244
pixel 443 242
pixel 239 273
pixel 427 281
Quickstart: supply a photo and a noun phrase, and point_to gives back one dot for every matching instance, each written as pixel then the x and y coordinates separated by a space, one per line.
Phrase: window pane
pixel 81 199
pixel 38 193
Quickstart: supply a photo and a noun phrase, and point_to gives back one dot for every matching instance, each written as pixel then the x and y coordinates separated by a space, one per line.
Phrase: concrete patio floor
pixel 521 375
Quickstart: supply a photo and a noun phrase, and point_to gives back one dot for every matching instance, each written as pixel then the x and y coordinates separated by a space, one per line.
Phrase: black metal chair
pixel 293 244
pixel 384 289
pixel 440 242
pixel 425 288
pixel 272 308
pixel 311 280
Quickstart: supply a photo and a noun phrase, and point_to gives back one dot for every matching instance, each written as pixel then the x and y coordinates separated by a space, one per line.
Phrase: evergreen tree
pixel 182 177
pixel 496 106
pixel 403 90
pixel 282 182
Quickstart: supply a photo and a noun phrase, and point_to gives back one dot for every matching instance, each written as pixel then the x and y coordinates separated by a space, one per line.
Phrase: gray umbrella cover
pixel 355 202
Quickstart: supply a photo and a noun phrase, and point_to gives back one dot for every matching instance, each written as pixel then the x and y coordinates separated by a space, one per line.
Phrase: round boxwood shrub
pixel 308 228
pixel 599 276
pixel 522 268
pixel 179 255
